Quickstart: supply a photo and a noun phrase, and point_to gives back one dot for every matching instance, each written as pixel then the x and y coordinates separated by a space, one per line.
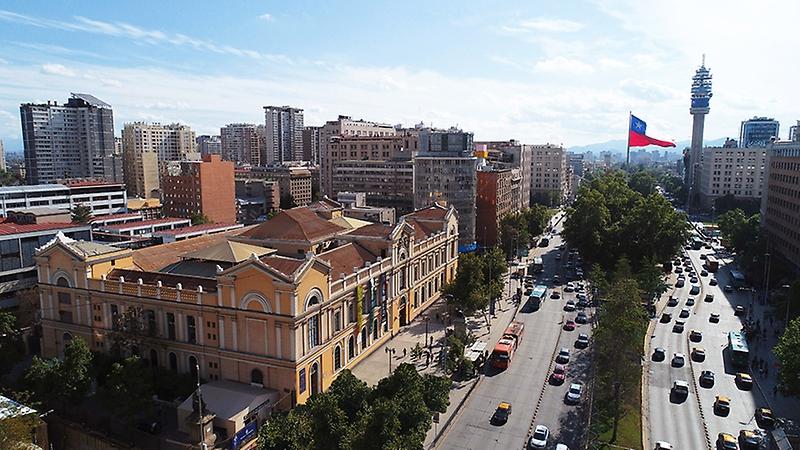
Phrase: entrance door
pixel 314 378
pixel 403 312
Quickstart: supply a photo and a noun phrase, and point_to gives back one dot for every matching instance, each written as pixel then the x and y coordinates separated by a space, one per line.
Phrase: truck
pixel 504 350
pixel 712 265
pixel 537 266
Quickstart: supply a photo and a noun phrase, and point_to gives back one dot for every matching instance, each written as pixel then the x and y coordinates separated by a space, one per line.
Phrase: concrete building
pixel 241 143
pixel 737 171
pixel 780 204
pixel 354 204
pixel 148 208
pixel 209 145
pixel 512 155
pixel 494 200
pixel 284 306
pixel 200 187
pixel 146 147
pixel 758 132
pixel 794 135
pixel 73 140
pixel 550 174
pixel 701 96
pixel 101 197
pixel 343 126
pixel 445 171
pixel 283 134
pixel 311 144
pixel 293 180
pixel 255 198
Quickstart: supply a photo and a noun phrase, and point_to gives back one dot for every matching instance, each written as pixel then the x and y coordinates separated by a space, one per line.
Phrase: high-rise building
pixel 780 204
pixel 445 171
pixel 701 95
pixel 283 134
pixel 240 143
pixel 735 171
pixel 495 199
pixel 73 140
pixel 550 174
pixel 293 180
pixel 200 187
pixel 513 155
pixel 758 132
pixel 794 134
pixel 2 156
pixel 146 147
pixel 343 126
pixel 311 144
pixel 209 145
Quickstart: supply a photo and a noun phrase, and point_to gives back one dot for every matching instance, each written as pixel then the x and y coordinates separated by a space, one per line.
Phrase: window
pixel 115 317
pixel 191 330
pixel 256 377
pixel 150 316
pixel 65 316
pixel 153 358
pixel 351 347
pixel 313 331
pixel 193 367
pixel 64 298
pixel 337 358
pixel 302 380
pixel 337 321
pixel 173 362
pixel 171 325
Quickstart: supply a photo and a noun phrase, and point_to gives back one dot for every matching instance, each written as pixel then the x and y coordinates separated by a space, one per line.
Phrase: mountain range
pixel 619 145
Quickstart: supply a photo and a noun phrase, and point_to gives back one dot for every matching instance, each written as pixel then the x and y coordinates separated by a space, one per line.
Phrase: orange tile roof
pixel 432 212
pixel 374 230
pixel 159 256
pixel 7 228
pixel 342 259
pixel 296 224
pixel 166 279
pixel 283 264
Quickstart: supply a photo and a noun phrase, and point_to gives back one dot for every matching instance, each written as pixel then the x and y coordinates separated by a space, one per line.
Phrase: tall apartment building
pixel 146 146
pixel 550 174
pixel 512 155
pixel 794 134
pixel 277 307
pixel 73 140
pixel 344 126
pixel 283 134
pixel 209 145
pixel 311 144
pixel 758 132
pixel 495 198
pixel 200 187
pixel 241 143
pixel 780 204
pixel 293 180
pixel 445 171
pixel 736 171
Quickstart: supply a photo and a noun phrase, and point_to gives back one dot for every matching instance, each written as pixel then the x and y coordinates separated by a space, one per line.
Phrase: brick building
pixel 200 187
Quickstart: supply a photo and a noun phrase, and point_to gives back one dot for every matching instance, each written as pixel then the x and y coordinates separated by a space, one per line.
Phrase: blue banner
pixel 467 248
pixel 245 435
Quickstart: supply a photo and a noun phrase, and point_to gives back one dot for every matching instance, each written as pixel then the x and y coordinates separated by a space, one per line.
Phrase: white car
pixel 663 445
pixel 540 436
pixel 574 393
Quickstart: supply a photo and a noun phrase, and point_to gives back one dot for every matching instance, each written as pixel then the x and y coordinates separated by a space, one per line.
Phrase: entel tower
pixel 701 95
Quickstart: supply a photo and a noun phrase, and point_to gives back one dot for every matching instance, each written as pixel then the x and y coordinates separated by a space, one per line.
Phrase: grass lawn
pixel 629 429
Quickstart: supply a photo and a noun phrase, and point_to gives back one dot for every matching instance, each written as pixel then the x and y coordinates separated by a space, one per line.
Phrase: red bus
pixel 504 350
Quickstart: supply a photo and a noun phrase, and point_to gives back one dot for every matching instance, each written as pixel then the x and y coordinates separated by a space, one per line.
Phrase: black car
pixel 673 301
pixel 707 378
pixel 659 354
pixel 666 317
pixel 581 318
pixel 678 327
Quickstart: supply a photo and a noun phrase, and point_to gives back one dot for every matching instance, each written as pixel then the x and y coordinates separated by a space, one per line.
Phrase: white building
pixel 550 174
pixel 102 198
pixel 737 171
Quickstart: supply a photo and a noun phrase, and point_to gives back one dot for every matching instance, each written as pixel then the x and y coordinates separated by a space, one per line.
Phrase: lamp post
pixel 427 319
pixel 786 294
pixel 390 353
pixel 203 445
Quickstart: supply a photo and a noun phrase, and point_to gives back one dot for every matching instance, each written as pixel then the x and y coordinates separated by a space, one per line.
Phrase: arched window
pixel 193 367
pixel 351 347
pixel 363 338
pixel 313 375
pixel 173 362
pixel 62 281
pixel 375 329
pixel 66 337
pixel 313 321
pixel 256 377
pixel 337 358
pixel 64 298
pixel 153 358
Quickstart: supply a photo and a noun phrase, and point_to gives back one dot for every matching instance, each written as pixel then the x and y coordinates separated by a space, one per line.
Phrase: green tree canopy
pixel 199 219
pixel 62 381
pixel 128 390
pixel 81 214
pixel 789 357
pixel 740 230
pixel 644 182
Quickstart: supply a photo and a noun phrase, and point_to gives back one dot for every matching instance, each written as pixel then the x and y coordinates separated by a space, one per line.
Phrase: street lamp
pixel 390 353
pixel 427 319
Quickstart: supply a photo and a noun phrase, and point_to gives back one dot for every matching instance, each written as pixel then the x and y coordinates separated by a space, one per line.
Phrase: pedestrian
pixel 431 343
pixel 404 352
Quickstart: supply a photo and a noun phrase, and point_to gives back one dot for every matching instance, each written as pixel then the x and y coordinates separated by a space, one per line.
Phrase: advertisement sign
pixel 244 435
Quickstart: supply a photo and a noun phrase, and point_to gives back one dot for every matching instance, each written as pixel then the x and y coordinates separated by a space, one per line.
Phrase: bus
pixel 537 296
pixel 737 279
pixel 504 349
pixel 737 346
pixel 537 266
pixel 697 243
pixel 712 265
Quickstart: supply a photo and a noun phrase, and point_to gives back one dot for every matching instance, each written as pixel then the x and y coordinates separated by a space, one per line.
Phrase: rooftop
pixel 283 264
pixel 200 228
pixel 159 256
pixel 120 216
pixel 146 223
pixel 344 258
pixel 373 230
pixel 228 251
pixel 296 224
pixel 9 228
pixel 91 99
pixel 139 203
pixel 167 279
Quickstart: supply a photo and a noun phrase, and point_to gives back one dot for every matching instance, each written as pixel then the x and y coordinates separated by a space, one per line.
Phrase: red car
pixel 569 325
pixel 558 375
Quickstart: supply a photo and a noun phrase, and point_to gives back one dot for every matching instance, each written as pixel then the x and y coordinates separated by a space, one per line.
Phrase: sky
pixel 536 71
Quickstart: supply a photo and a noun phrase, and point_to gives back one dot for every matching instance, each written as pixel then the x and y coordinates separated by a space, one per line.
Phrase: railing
pixel 139 289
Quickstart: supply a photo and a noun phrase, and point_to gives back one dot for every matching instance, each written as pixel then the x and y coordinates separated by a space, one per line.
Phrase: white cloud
pixel 267 17
pixel 611 63
pixel 58 69
pixel 561 64
pixel 549 24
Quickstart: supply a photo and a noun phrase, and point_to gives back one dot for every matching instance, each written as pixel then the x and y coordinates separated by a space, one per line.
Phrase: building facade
pixel 209 145
pixel 311 144
pixel 736 171
pixel 283 134
pixel 146 147
pixel 200 187
pixel 101 197
pixel 386 184
pixel 73 140
pixel 293 180
pixel 758 132
pixel 286 305
pixel 512 155
pixel 550 174
pixel 495 199
pixel 780 204
pixel 241 143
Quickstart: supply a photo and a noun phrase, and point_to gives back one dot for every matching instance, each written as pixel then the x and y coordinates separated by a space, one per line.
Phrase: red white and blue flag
pixel 638 138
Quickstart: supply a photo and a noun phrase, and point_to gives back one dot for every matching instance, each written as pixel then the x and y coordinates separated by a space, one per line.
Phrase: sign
pixel 436 417
pixel 245 435
pixel 467 248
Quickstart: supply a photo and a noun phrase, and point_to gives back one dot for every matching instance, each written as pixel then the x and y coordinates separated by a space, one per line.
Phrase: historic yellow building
pixel 284 305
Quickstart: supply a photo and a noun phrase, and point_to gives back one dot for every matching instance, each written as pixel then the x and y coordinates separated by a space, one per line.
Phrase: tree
pixel 494 269
pixel 128 390
pixel 61 382
pixel 287 201
pixel 81 214
pixel 738 229
pixel 11 346
pixel 287 431
pixel 8 178
pixel 199 218
pixel 729 202
pixel 643 182
pixel 789 357
pixel 513 233
pixel 466 292
pixel 17 430
pixel 537 218
pixel 127 332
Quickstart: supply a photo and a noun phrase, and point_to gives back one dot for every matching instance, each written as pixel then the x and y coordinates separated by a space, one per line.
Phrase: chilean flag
pixel 637 137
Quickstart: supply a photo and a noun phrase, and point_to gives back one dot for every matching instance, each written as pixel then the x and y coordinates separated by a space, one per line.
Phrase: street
pixel 525 383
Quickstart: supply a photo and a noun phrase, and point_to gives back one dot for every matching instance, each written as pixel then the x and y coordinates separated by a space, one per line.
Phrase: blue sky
pixel 563 72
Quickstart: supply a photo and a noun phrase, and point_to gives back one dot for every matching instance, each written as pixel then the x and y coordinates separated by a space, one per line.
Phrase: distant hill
pixel 618 146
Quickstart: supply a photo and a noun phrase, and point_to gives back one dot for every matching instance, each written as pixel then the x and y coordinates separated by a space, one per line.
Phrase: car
pixel 690 301
pixel 558 375
pixel 555 295
pixel 582 341
pixel 695 336
pixel 663 445
pixel 582 303
pixel 569 325
pixel 709 298
pixel 703 256
pixel 581 318
pixel 684 313
pixel 739 310
pixel 714 318
pixel 679 269
pixel 666 317
pixel 659 354
pixel 678 359
pixel 722 405
pixel 682 277
pixel 698 354
pixel 673 301
pixel 563 356
pixel 556 280
pixel 678 326
pixel 744 381
pixel 707 379
pixel 728 288
pixel 680 283
pixel 569 287
pixel 540 437
pixel 694 279
pixel 726 441
pixel 712 282
pixel 695 289
pixel 704 273
pixel 569 306
pixel 501 414
pixel 764 418
pixel 574 394
pixel 749 440
pixel 680 389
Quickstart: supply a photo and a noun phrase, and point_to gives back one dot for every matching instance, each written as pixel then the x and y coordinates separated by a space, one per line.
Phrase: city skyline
pixel 537 73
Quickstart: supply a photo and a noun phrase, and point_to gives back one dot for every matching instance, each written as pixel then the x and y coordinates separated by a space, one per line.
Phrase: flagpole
pixel 628 150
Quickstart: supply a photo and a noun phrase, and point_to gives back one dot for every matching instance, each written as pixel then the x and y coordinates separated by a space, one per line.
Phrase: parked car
pixel 712 282
pixel 684 313
pixel 695 336
pixel 673 301
pixel 582 341
pixel 744 381
pixel 714 318
pixel 569 325
pixel 680 283
pixel 559 374
pixel 678 326
pixel 574 394
pixel 726 441
pixel 666 317
pixel 679 269
pixel 709 298
pixel 581 318
pixel 540 437
pixel 698 354
pixel 659 354
pixel 707 379
pixel 569 306
pixel 739 310
pixel 704 273
pixel 501 414
pixel 694 290
pixel 563 356
pixel 694 279
pixel 663 445
pixel 749 440
pixel 680 389
pixel 678 359
pixel 555 295
pixel 764 418
pixel 690 301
